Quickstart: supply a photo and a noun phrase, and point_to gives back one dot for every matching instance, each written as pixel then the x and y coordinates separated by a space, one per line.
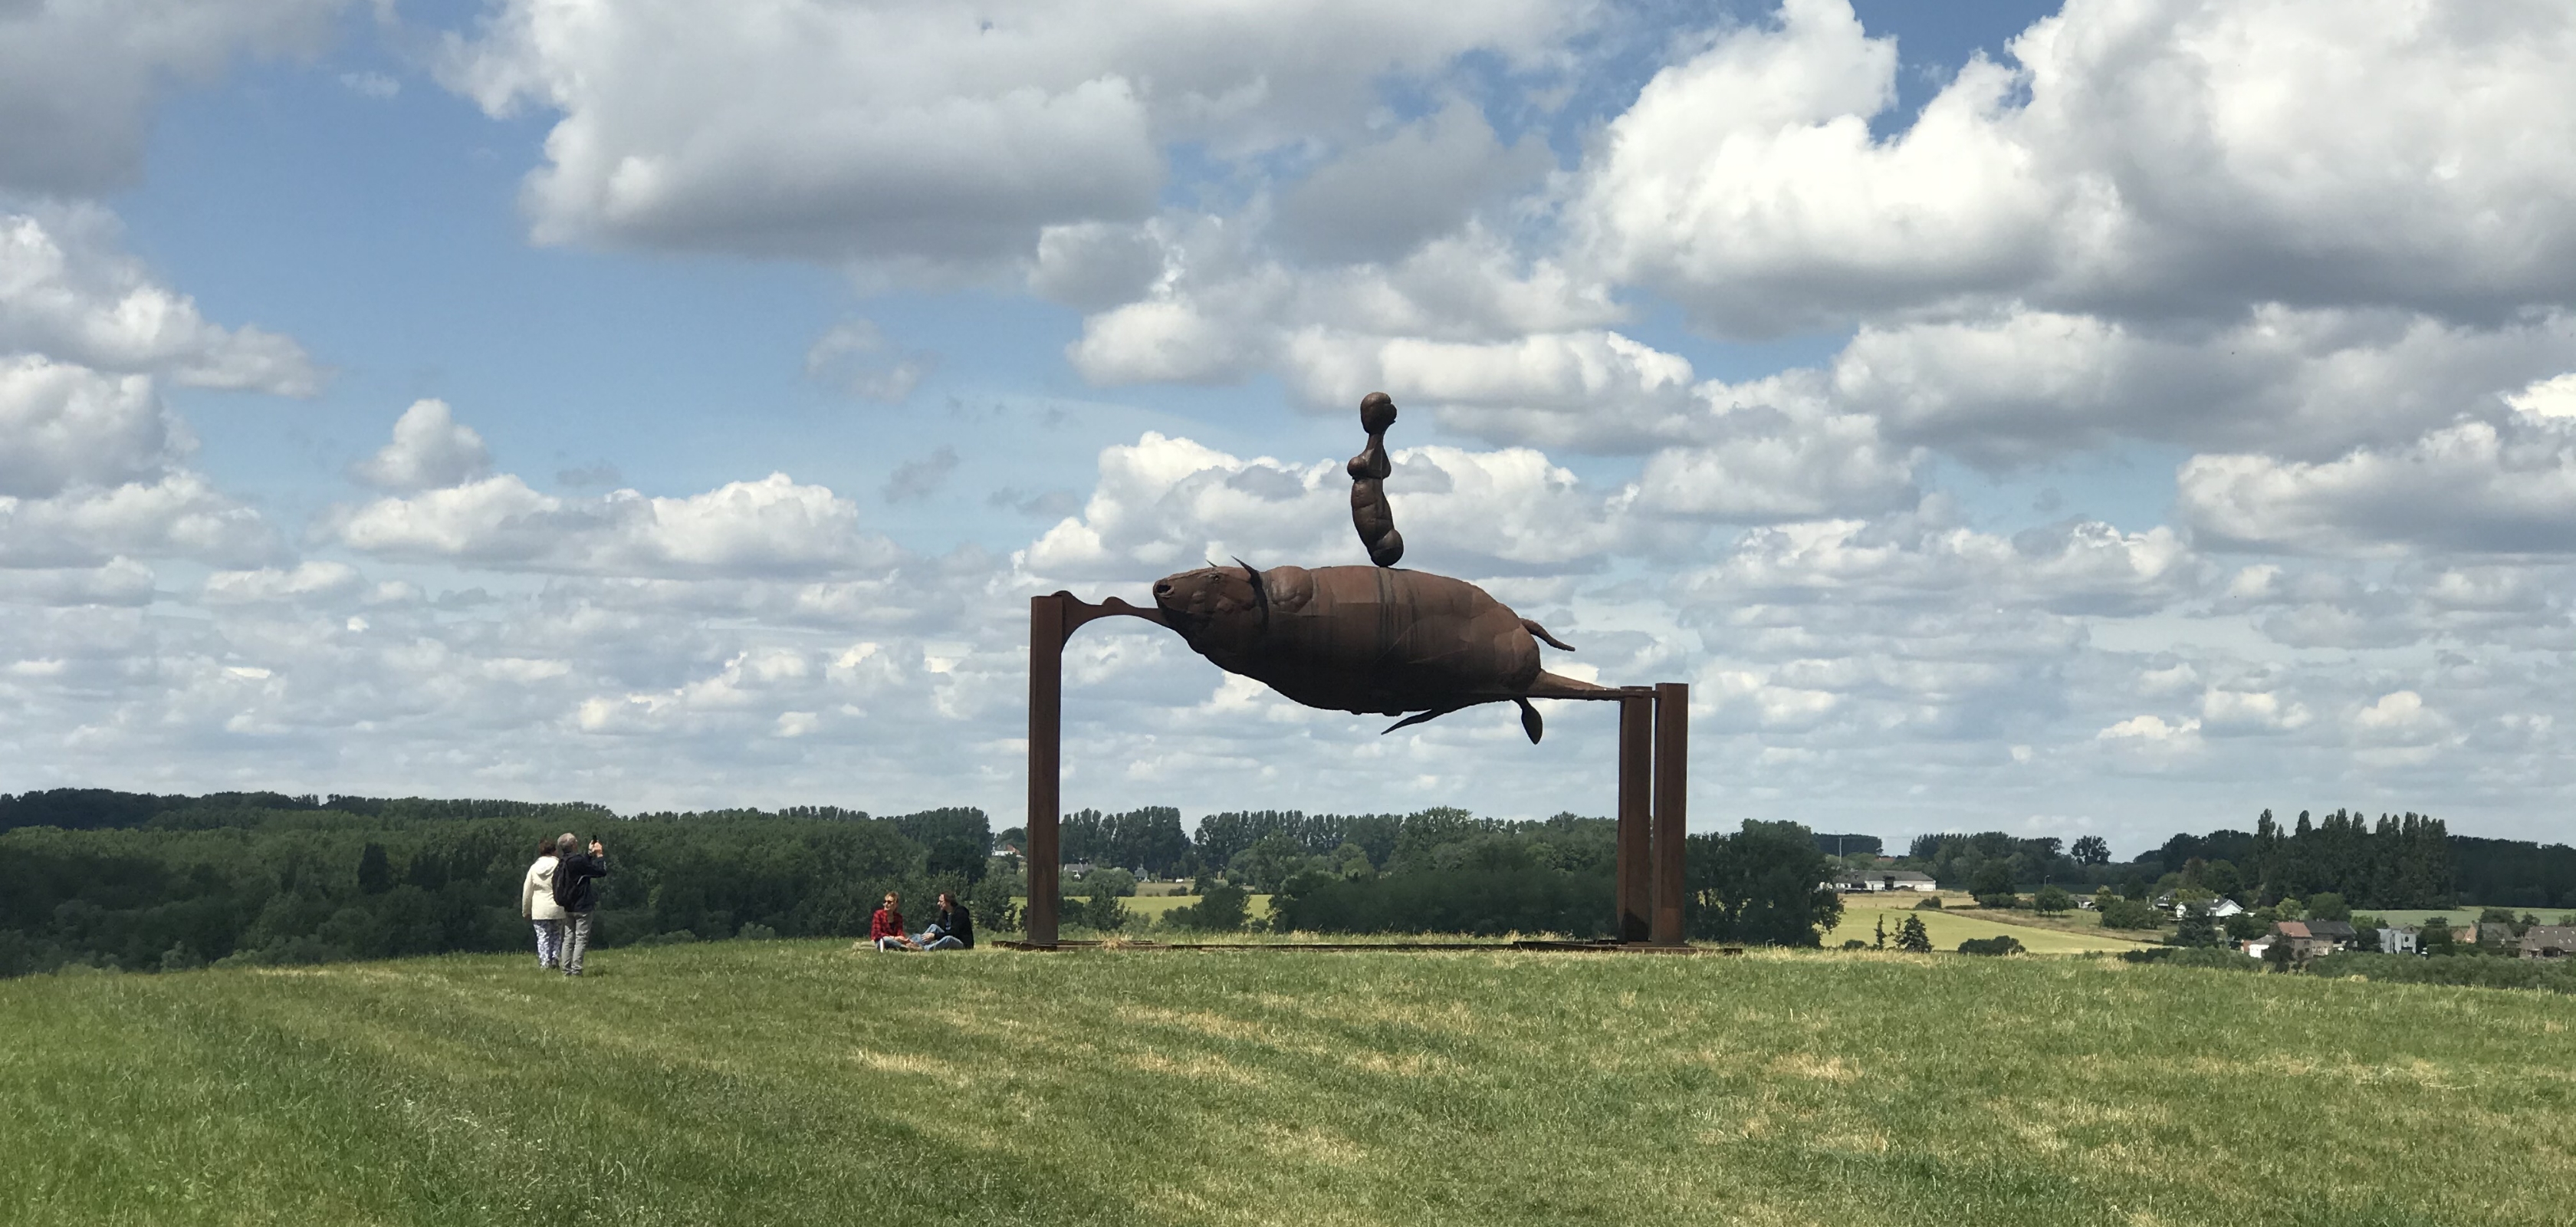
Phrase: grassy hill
pixel 798 1082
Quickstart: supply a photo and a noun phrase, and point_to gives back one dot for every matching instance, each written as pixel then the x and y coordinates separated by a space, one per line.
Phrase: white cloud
pixel 1166 504
pixel 935 136
pixel 2168 154
pixel 430 450
pixel 2506 487
pixel 63 426
pixel 78 81
pixel 180 515
pixel 1380 200
pixel 771 527
pixel 67 293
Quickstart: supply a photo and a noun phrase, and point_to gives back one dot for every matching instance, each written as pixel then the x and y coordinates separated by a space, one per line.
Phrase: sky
pixel 2113 419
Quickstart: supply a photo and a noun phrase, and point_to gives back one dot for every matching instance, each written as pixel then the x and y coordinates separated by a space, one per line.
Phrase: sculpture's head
pixel 1217 609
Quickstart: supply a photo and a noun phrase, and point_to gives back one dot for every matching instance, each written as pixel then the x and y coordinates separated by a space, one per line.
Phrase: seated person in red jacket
pixel 885 929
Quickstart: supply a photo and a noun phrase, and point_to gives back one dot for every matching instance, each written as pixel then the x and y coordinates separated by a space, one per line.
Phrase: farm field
pixel 796 1082
pixel 1963 920
pixel 1152 907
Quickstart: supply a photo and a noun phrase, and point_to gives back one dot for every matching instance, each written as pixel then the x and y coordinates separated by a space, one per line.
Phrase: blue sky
pixel 2116 420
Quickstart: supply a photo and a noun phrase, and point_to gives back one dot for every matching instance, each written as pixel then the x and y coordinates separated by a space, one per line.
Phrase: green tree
pixel 1104 912
pixel 1880 942
pixel 375 871
pixel 2197 929
pixel 1761 884
pixel 2436 937
pixel 1118 882
pixel 2092 850
pixel 1993 885
pixel 2052 900
pixel 1913 937
pixel 2328 905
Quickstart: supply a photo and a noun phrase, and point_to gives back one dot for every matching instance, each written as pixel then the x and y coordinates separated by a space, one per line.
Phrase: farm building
pixel 2549 941
pixel 1882 879
pixel 2338 932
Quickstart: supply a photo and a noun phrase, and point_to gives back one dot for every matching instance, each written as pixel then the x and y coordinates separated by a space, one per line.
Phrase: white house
pixel 2398 941
pixel 1880 879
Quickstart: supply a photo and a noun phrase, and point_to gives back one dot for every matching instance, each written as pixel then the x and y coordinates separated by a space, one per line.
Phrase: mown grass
pixel 796 1082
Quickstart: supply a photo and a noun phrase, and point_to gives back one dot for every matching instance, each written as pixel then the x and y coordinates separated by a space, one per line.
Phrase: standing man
pixel 577 877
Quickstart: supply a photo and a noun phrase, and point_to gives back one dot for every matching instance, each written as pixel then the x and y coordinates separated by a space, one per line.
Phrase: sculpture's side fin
pixel 1530 723
pixel 1543 637
pixel 1417 718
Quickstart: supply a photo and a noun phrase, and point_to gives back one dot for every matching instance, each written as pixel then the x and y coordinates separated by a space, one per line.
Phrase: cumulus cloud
pixel 773 526
pixel 78 81
pixel 1166 504
pixel 64 426
pixel 898 133
pixel 66 292
pixel 2135 158
pixel 1423 180
pixel 179 515
pixel 2491 487
pixel 2081 567
pixel 430 449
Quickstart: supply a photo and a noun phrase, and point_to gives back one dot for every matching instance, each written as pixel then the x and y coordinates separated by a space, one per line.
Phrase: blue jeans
pixel 941 942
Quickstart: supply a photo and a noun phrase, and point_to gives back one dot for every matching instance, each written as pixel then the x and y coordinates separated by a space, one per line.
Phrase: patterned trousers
pixel 550 940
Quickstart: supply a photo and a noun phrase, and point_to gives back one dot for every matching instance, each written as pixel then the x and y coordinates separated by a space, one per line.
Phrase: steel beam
pixel 1635 885
pixel 1672 806
pixel 1047 631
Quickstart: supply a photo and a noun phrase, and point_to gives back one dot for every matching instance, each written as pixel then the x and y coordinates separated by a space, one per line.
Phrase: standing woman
pixel 537 905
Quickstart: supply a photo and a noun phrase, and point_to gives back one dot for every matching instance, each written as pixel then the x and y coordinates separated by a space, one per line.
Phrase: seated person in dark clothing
pixel 953 930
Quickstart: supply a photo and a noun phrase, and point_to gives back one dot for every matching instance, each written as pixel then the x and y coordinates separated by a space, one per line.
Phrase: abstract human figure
pixel 1371 640
pixel 1371 514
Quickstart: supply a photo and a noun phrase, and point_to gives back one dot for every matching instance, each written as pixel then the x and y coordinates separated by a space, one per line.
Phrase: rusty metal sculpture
pixel 1377 640
pixel 1369 640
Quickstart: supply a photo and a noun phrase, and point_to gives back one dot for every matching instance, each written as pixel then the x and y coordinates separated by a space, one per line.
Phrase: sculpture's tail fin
pixel 1543 637
pixel 1558 686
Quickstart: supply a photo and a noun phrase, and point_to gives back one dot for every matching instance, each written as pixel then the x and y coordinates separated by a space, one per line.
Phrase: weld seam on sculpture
pixel 1371 640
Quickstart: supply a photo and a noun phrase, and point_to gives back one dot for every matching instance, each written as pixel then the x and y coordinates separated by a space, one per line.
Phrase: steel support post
pixel 1635 883
pixel 1046 761
pixel 1672 821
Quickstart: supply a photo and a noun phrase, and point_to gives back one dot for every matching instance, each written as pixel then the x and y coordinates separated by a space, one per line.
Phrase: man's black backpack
pixel 567 884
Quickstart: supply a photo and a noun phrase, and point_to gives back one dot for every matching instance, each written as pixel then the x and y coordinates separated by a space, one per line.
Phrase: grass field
pixel 797 1083
pixel 1960 920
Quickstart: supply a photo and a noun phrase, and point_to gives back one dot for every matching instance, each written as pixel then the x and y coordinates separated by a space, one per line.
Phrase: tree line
pixel 142 883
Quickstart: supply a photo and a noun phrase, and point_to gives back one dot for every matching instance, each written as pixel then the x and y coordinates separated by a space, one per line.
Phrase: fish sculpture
pixel 1372 640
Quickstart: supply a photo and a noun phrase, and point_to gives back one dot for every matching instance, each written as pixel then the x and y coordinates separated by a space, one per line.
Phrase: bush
pixel 1991 945
pixel 754 931
pixel 2052 900
pixel 1221 909
pixel 2130 914
pixel 2193 956
pixel 1932 904
pixel 2547 976
pixel 1486 902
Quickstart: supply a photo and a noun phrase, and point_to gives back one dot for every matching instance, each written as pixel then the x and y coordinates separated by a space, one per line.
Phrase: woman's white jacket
pixel 537 893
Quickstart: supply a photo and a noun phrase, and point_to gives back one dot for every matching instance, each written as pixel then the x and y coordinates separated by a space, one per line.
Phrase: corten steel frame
pixel 1654 780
